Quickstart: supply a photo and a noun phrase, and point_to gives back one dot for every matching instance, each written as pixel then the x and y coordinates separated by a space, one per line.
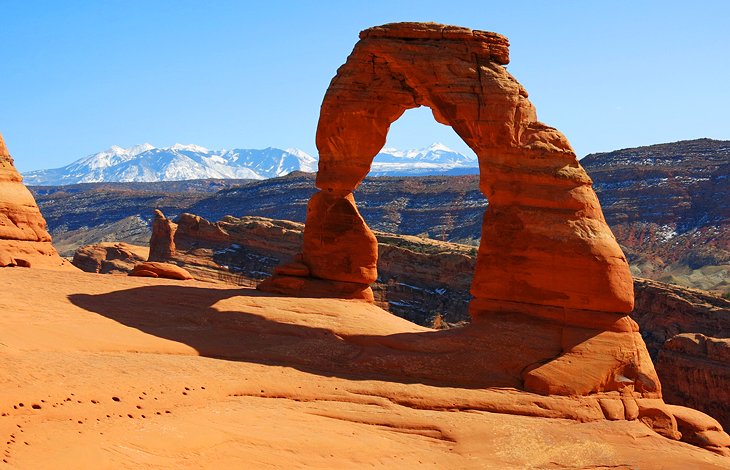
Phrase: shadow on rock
pixel 494 352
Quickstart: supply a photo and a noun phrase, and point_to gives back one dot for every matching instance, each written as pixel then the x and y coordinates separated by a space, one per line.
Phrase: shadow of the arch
pixel 491 353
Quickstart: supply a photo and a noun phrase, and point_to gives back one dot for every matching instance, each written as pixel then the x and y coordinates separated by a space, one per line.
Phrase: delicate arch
pixel 544 238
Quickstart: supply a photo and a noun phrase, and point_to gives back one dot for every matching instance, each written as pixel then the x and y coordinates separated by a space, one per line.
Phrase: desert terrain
pixel 123 372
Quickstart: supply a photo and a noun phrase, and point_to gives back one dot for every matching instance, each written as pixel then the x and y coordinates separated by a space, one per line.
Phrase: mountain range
pixel 146 163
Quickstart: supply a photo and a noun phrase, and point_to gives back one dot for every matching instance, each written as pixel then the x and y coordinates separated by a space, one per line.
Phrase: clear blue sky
pixel 80 76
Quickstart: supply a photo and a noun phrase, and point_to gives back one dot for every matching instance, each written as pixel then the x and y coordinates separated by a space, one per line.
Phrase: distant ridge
pixel 179 162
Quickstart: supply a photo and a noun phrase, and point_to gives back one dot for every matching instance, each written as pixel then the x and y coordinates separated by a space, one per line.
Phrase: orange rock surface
pixel 126 372
pixel 24 240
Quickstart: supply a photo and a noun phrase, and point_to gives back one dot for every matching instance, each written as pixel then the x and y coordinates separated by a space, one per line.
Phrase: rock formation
pixel 542 213
pixel 109 258
pixel 200 375
pixel 548 266
pixel 419 277
pixel 164 270
pixel 162 242
pixel 24 240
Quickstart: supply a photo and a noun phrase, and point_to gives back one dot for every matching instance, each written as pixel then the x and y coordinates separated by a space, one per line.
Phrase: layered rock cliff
pixel 667 205
pixel 687 332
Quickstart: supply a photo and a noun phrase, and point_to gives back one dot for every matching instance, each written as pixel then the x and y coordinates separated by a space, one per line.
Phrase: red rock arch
pixel 547 257
pixel 544 238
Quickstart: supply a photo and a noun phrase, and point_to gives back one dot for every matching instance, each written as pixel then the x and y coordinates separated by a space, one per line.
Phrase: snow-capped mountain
pixel 178 162
pixel 437 159
pixel 146 163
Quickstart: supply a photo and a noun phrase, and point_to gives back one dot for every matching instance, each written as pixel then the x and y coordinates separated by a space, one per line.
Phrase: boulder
pixel 165 270
pixel 701 430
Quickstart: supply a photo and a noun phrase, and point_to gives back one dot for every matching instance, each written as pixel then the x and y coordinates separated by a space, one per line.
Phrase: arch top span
pixel 457 72
pixel 492 44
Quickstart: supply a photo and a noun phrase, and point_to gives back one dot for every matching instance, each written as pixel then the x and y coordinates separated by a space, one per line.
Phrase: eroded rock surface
pixel 24 240
pixel 419 277
pixel 141 372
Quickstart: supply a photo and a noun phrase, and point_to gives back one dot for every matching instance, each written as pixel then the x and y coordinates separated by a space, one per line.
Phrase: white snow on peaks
pixel 137 149
pixel 146 162
pixel 178 162
pixel 301 154
pixel 439 146
pixel 432 160
pixel 189 148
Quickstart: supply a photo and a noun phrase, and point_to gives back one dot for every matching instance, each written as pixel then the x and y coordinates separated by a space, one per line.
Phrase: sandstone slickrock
pixel 420 276
pixel 164 270
pixel 200 375
pixel 24 240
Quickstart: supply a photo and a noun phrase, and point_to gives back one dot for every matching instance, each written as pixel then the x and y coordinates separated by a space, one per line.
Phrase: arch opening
pixel 417 144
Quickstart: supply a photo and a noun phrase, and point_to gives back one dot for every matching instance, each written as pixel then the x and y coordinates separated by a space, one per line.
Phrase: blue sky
pixel 78 77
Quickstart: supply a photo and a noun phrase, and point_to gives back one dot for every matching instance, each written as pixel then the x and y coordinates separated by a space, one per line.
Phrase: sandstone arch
pixel 544 239
pixel 551 288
